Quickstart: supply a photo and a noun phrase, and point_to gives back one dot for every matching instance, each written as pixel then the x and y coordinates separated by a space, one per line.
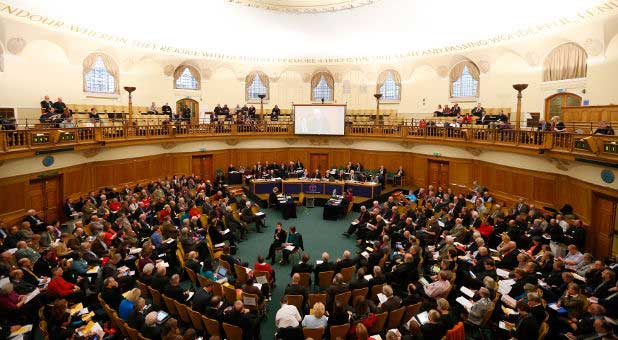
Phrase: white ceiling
pixel 385 27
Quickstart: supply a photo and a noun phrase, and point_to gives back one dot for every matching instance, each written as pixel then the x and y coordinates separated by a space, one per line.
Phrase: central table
pixel 317 187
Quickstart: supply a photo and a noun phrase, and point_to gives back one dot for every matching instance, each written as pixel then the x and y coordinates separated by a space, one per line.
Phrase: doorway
pixel 602 238
pixel 202 166
pixel 554 103
pixel 192 105
pixel 45 196
pixel 438 173
pixel 318 161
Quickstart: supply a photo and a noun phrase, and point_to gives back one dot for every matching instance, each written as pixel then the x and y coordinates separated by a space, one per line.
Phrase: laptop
pixel 221 273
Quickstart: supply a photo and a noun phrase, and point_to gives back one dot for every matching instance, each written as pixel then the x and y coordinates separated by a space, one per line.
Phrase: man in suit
pixel 382 176
pixel 36 223
pixel 392 302
pixel 174 291
pixel 59 106
pixel 360 281
pixel 325 266
pixel 404 273
pixel 111 293
pixel 303 266
pixel 316 174
pixel 345 262
pixel 46 105
pixel 294 288
pixel 166 110
pixel 248 216
pixel 478 110
pixel 26 267
pixel 455 110
pixel 522 207
pixel 359 223
pixel 89 255
pixel 526 327
pixel 337 287
pixel 239 316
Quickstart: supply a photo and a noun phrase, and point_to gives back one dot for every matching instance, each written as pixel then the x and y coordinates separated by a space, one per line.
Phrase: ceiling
pixel 305 6
pixel 282 29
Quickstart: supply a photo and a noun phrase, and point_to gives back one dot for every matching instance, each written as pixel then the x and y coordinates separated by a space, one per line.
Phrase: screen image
pixel 319 119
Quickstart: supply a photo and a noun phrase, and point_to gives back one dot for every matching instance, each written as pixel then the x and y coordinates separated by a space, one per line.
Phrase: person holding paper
pixel 527 327
pixel 174 291
pixel 279 237
pixel 439 288
pixel 338 286
pixel 359 223
pixel 479 308
pixel 294 241
pixel 391 301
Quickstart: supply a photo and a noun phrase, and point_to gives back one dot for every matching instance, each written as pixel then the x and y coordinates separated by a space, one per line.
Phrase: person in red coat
pixel 59 287
pixel 485 229
pixel 263 266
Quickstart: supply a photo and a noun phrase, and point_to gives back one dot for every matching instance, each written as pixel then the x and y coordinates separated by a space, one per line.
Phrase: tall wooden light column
pixel 130 89
pixel 519 88
pixel 261 96
pixel 378 96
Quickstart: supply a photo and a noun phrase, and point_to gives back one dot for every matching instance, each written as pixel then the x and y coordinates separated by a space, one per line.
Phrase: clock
pixel 48 161
pixel 607 176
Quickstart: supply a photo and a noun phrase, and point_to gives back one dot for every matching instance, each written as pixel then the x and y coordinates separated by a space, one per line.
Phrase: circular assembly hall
pixel 308 169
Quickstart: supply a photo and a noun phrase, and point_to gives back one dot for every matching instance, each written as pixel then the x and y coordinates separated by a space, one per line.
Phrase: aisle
pixel 318 236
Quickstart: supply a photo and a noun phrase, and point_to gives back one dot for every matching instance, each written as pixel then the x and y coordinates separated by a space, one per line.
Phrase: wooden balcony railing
pixel 14 142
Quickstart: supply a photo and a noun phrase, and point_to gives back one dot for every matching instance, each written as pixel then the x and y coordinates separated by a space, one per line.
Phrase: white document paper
pixel 381 297
pixel 464 302
pixel 466 291
pixel 261 280
pixel 508 300
pixel 190 296
pixel 502 273
pixel 368 277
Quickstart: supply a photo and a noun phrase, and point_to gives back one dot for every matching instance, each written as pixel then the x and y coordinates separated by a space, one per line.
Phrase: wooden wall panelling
pixel 103 175
pixel 221 159
pixel 419 171
pixel 460 172
pixel 13 199
pixel 181 165
pixel 544 191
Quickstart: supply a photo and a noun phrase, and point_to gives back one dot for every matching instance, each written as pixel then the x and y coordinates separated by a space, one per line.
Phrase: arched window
pixel 389 85
pixel 257 83
pixel 464 80
pixel 567 61
pixel 100 74
pixel 186 78
pixel 322 87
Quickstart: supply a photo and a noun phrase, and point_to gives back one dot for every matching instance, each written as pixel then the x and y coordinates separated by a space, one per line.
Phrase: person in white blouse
pixel 287 315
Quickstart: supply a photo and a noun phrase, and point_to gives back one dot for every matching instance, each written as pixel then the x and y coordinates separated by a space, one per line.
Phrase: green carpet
pixel 318 236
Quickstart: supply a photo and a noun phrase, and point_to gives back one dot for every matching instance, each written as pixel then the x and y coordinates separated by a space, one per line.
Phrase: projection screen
pixel 319 119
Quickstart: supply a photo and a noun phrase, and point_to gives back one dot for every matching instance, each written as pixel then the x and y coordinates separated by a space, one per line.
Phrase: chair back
pixel 218 289
pixel 375 290
pixel 241 274
pixel 343 298
pixel 143 288
pixel 183 314
pixel 347 273
pixel 339 331
pixel 305 280
pixel 251 301
pixel 378 325
pixel 196 319
pixel 457 332
pixel 382 262
pixel 156 297
pixel 543 330
pixel 192 276
pixel 133 333
pixel 325 279
pixel 170 306
pixel 297 300
pixel 313 333
pixel 212 326
pixel 261 273
pixel 232 332
pixel 411 311
pixel 313 298
pixel 43 329
pixel 394 318
pixel 359 292
pixel 225 265
pixel 229 294
pixel 203 280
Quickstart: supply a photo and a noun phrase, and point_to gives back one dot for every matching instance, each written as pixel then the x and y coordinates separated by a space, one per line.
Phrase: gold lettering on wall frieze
pixel 291 141
pixel 318 141
pixel 231 141
pixel 406 144
pixel 168 145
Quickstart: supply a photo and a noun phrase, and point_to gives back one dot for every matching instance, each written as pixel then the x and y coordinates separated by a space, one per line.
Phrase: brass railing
pixel 16 141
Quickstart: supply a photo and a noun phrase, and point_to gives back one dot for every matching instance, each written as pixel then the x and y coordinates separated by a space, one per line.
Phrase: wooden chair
pixel 212 326
pixel 347 273
pixel 378 325
pixel 218 289
pixel 325 279
pixel 394 318
pixel 297 300
pixel 543 330
pixel 339 331
pixel 170 306
pixel 202 280
pixel 229 294
pixel 359 292
pixel 196 319
pixel 313 333
pixel 305 280
pixel 156 297
pixel 301 199
pixel 43 329
pixel 343 298
pixel 411 311
pixel 143 288
pixel 252 303
pixel 241 274
pixel 183 314
pixel 313 298
pixel 375 290
pixel 456 333
pixel 225 265
pixel 192 276
pixel 133 333
pixel 232 332
pixel 261 273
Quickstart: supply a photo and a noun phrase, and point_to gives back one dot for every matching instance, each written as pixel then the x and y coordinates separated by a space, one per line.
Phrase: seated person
pixel 295 240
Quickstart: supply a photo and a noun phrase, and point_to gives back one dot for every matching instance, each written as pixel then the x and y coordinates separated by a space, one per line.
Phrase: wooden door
pixel 600 236
pixel 193 105
pixel 554 103
pixel 202 166
pixel 438 174
pixel 45 195
pixel 318 161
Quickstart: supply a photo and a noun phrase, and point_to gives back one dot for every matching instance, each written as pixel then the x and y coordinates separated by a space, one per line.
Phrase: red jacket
pixel 60 287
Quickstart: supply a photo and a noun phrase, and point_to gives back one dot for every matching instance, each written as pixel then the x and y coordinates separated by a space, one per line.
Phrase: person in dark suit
pixel 359 282
pixel 522 207
pixel 46 105
pixel 316 174
pixel 174 291
pixel 110 293
pixel 359 223
pixel 392 302
pixel 238 316
pixel 274 114
pixel 160 280
pixel 294 288
pixel 526 327
pixel 150 329
pixel 404 273
pixel 59 106
pixel 137 317
pixel 248 216
pixel 279 238
pixel 201 299
pixel 455 110
pixel 36 223
pixel 338 286
pixel 166 110
pixel 346 262
pixel 325 266
pixel 382 176
pixel 478 110
pixel 303 266
pixel 433 328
